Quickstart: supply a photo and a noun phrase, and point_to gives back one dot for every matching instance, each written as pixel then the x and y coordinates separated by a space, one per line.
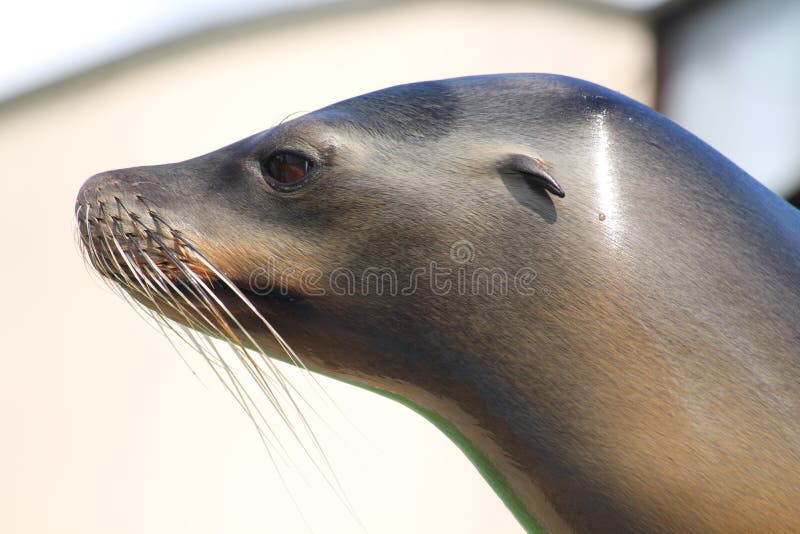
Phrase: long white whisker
pixel 246 401
pixel 161 281
pixel 333 480
pixel 224 279
pixel 285 346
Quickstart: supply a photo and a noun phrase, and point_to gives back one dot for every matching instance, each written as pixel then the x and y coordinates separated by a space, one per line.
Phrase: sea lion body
pixel 626 358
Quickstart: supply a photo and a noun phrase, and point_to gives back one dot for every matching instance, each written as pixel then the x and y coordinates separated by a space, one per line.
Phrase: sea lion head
pixel 326 226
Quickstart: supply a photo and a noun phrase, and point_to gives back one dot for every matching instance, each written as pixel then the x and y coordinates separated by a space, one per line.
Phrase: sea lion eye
pixel 285 170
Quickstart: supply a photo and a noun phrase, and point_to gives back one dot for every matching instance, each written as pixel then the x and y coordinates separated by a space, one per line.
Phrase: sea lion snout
pixel 124 233
pixel 134 187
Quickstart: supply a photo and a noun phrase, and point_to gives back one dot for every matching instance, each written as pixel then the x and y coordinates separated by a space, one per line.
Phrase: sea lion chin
pixel 599 307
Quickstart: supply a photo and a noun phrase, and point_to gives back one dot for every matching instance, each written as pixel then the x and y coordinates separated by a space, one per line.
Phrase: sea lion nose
pixel 97 188
pixel 128 187
pixel 112 199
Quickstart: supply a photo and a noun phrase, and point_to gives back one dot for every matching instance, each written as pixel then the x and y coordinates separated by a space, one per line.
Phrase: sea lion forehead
pixel 426 111
pixel 417 111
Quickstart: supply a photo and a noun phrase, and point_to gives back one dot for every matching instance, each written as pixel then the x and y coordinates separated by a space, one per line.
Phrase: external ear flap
pixel 533 169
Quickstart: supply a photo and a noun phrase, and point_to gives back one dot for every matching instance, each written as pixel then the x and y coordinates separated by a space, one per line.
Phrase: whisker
pixel 335 484
pixel 225 280
pixel 241 396
pixel 289 351
pixel 245 400
pixel 160 272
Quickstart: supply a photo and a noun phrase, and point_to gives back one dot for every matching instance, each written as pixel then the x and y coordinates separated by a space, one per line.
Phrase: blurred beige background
pixel 104 429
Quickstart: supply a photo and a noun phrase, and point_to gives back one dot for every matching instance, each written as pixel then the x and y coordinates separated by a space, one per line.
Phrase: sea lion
pixel 596 305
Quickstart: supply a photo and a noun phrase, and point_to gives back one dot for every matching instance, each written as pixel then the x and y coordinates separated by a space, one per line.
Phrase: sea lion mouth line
pixel 161 273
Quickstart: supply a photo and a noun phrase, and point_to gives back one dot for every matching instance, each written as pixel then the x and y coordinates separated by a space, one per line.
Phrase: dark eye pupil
pixel 287 168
